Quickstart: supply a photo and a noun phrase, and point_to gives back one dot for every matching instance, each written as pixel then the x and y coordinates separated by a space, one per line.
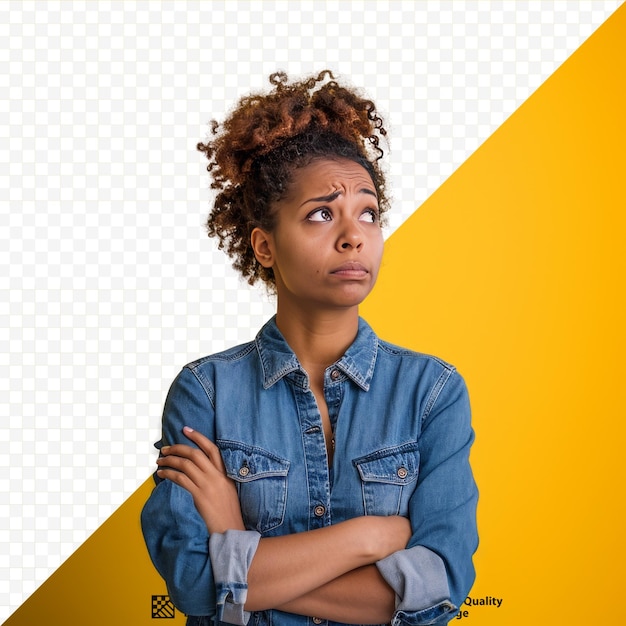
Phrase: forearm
pixel 288 567
pixel 359 597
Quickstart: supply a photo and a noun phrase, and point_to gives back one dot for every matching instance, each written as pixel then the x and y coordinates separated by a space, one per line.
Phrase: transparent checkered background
pixel 108 284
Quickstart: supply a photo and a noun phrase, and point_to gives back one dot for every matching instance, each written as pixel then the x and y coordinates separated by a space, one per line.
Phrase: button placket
pixel 315 457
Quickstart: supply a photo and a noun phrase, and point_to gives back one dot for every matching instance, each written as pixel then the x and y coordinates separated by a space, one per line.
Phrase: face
pixel 326 246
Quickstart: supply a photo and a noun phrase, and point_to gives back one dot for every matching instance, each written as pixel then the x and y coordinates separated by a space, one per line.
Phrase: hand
pixel 202 473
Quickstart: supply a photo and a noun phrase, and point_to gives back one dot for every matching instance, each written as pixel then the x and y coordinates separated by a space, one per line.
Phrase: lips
pixel 351 269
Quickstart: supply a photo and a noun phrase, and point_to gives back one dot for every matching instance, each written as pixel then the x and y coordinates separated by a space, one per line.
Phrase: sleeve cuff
pixel 418 577
pixel 231 554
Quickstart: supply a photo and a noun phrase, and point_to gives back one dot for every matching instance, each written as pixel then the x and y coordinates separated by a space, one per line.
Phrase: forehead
pixel 324 176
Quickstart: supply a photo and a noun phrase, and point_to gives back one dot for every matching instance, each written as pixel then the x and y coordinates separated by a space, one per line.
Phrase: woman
pixel 316 474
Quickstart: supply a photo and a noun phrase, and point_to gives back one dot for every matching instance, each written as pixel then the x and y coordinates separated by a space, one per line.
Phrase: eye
pixel 320 215
pixel 369 215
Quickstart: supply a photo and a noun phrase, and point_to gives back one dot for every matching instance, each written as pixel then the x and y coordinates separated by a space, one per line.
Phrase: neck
pixel 317 338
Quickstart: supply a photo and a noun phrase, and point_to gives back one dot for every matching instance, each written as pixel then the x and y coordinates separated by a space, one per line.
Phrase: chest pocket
pixel 388 478
pixel 261 479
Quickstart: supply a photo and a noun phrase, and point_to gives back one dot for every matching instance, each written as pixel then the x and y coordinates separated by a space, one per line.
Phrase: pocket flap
pixel 397 466
pixel 245 463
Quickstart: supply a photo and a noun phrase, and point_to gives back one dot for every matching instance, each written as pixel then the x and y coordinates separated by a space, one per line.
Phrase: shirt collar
pixel 278 359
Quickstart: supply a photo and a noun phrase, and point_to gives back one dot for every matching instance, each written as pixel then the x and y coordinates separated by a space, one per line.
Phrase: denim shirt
pixel 401 423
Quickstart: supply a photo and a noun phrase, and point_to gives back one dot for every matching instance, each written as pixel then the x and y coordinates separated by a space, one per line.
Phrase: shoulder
pixel 399 360
pixel 233 355
pixel 200 375
pixel 431 369
pixel 422 359
pixel 430 376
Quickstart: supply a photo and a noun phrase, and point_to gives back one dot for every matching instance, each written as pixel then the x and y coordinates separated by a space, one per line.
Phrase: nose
pixel 350 236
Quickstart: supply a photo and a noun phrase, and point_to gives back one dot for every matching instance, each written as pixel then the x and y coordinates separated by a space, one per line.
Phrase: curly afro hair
pixel 254 153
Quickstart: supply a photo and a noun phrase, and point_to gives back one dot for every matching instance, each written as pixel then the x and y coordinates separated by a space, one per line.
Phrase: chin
pixel 352 298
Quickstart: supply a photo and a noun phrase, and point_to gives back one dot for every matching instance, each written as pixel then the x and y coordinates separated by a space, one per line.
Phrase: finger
pixel 179 478
pixel 193 454
pixel 200 476
pixel 181 449
pixel 207 446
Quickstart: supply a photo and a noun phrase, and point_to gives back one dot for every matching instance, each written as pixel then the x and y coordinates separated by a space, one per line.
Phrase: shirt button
pixel 335 374
pixel 317 620
pixel 244 471
pixel 402 472
pixel 319 510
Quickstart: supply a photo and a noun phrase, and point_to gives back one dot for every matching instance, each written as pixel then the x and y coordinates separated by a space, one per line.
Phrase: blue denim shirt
pixel 402 439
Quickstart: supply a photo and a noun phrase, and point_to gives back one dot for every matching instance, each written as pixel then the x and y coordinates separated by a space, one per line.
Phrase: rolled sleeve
pixel 432 577
pixel 231 554
pixel 418 577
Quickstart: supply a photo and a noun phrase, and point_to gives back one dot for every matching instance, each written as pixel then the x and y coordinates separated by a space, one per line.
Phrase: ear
pixel 262 246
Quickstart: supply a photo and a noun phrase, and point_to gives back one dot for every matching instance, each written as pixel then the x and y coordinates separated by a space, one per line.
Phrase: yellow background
pixel 513 271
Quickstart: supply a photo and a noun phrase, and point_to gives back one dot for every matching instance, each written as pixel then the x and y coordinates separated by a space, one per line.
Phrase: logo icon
pixel 162 607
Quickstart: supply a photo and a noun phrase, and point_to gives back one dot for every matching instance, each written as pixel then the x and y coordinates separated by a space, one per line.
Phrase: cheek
pixel 300 264
pixel 378 247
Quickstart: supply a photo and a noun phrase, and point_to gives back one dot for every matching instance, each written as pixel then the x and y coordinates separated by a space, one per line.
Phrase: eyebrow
pixel 335 195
